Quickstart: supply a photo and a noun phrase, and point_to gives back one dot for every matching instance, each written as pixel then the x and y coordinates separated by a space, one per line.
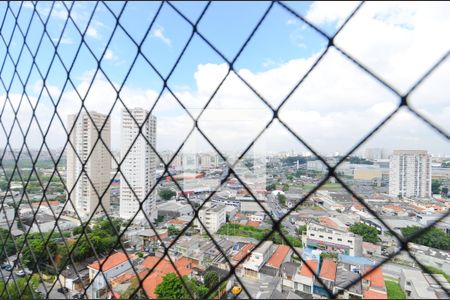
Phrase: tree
pixel 79 229
pixel 19 289
pixel 444 192
pixel 167 194
pixel 285 187
pixel 172 230
pixel 37 253
pixel 7 243
pixel 368 233
pixel 301 229
pixel 172 287
pixel 211 279
pixel 436 186
pixel 432 237
pixel 271 187
pixel 281 199
pixel 109 226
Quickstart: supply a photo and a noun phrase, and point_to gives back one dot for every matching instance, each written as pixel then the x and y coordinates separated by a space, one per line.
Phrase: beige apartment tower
pixel 410 174
pixel 89 149
pixel 139 165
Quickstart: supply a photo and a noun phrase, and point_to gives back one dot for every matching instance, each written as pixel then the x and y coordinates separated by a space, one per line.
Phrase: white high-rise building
pixel 410 173
pixel 139 165
pixel 89 149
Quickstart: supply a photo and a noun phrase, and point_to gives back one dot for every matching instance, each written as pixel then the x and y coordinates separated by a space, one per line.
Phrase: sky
pixel 333 108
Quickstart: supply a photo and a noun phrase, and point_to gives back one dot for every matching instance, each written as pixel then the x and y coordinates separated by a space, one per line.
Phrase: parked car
pixel 9 268
pixel 63 290
pixel 20 273
pixel 5 265
pixel 78 296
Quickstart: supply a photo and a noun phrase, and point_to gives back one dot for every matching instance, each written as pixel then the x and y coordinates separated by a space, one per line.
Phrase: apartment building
pixel 324 237
pixel 410 174
pixel 88 162
pixel 213 216
pixel 139 164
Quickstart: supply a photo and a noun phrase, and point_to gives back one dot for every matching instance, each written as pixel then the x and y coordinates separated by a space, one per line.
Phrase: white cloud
pixel 323 12
pixel 158 32
pixel 109 55
pixel 92 32
pixel 63 40
pixel 333 108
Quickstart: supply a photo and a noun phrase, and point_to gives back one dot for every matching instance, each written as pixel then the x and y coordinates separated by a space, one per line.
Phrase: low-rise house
pixel 174 209
pixel 373 284
pixel 149 237
pixel 74 280
pixel 257 259
pixel 394 210
pixel 178 223
pixel 370 249
pixel 346 274
pixel 304 279
pixel 328 276
pixel 415 285
pixel 282 254
pixel 105 269
pixel 287 273
pixel 159 268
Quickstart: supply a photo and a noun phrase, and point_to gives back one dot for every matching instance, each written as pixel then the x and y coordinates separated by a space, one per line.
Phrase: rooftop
pixel 278 256
pixel 243 251
pixel 305 271
pixel 328 270
pixel 110 262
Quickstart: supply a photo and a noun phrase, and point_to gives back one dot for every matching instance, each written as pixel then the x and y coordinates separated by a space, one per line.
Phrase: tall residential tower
pixel 410 174
pixel 139 165
pixel 90 151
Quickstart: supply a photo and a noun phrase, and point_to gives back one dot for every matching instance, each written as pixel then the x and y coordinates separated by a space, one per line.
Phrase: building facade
pixel 410 174
pixel 92 155
pixel 213 216
pixel 139 164
pixel 323 237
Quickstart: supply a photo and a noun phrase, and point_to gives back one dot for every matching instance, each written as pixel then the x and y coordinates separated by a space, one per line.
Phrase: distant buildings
pixel 375 153
pixel 90 160
pixel 410 174
pixel 139 164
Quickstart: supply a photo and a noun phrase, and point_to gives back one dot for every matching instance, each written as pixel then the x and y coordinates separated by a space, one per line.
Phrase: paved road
pixel 53 294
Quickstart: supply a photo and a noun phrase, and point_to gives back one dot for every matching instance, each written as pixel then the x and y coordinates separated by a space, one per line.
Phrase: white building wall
pixel 139 166
pixel 213 216
pixel 410 174
pixel 88 149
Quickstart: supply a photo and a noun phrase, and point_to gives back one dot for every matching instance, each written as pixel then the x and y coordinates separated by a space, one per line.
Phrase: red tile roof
pixel 278 256
pixel 328 269
pixel 243 251
pixel 372 294
pixel 163 268
pixel 254 224
pixel 110 262
pixel 176 222
pixel 50 203
pixel 326 221
pixel 304 269
pixel 376 277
